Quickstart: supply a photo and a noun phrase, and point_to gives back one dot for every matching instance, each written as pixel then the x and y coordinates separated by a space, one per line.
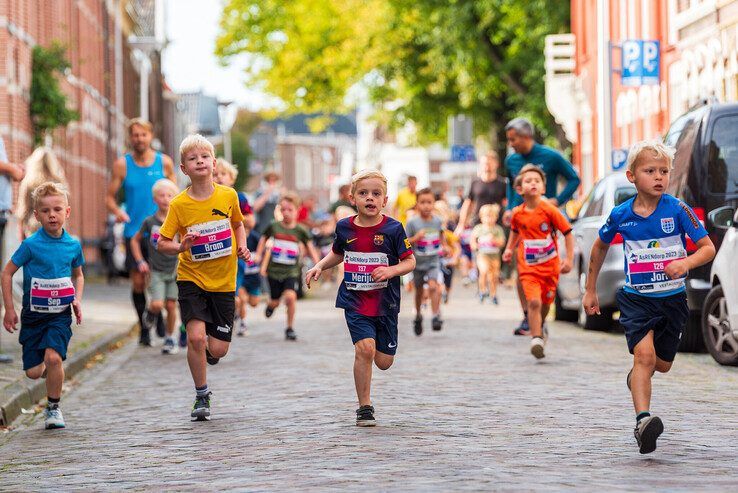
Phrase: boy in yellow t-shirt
pixel 208 219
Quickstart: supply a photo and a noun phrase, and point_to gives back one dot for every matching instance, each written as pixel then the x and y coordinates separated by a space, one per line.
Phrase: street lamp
pixel 227 112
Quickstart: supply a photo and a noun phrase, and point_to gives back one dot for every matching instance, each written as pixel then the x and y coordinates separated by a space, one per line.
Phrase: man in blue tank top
pixel 136 172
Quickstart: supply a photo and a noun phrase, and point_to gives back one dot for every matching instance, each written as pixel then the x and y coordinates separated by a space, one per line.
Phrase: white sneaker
pixel 536 347
pixel 53 418
pixel 169 346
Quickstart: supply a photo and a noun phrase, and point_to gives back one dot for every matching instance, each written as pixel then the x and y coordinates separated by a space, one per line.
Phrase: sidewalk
pixel 107 318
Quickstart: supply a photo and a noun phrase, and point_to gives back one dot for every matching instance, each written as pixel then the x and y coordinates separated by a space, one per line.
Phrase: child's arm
pixel 141 264
pixel 473 243
pixel 329 261
pixel 168 246
pixel 240 232
pixel 313 252
pixel 400 269
pixel 590 301
pixel 78 278
pixel 705 252
pixel 260 250
pixel 10 320
pixel 569 260
pixel 512 242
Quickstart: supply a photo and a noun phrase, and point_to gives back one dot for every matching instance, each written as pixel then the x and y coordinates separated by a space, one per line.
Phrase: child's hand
pixel 313 275
pixel 143 267
pixel 77 308
pixel 507 255
pixel 187 240
pixel 591 303
pixel 243 252
pixel 677 268
pixel 420 235
pixel 506 217
pixel 383 273
pixel 566 266
pixel 10 320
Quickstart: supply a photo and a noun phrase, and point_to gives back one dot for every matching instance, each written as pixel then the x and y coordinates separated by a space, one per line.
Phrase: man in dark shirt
pixel 488 188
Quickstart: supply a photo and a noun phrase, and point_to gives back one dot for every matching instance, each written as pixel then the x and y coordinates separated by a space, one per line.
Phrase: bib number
pixel 358 268
pixel 51 295
pixel 646 269
pixel 215 240
pixel 539 251
pixel 155 236
pixel 429 245
pixel 285 252
pixel 487 246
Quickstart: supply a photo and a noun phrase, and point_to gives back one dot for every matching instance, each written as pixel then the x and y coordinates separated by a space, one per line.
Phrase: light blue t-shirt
pixel 6 186
pixel 137 186
pixel 651 243
pixel 47 271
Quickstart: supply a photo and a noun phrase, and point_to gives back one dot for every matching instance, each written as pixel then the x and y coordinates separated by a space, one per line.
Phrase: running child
pixel 487 240
pixel 375 253
pixel 450 257
pixel 53 284
pixel 162 269
pixel 283 269
pixel 425 232
pixel 466 263
pixel 248 284
pixel 208 219
pixel 533 230
pixel 653 302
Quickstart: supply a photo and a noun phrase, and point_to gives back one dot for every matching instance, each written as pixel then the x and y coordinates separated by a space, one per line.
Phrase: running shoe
pixel 161 328
pixel 290 334
pixel 268 311
pixel 646 432
pixel 53 418
pixel 212 360
pixel 242 330
pixel 182 336
pixel 444 297
pixel 483 296
pixel 536 347
pixel 144 338
pixel 149 320
pixel 495 301
pixel 201 407
pixel 365 416
pixel 523 329
pixel 418 325
pixel 437 323
pixel 169 347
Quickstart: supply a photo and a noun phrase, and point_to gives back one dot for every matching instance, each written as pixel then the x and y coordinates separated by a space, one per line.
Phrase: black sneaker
pixel 437 323
pixel 646 432
pixel 201 408
pixel 523 329
pixel 268 311
pixel 161 328
pixel 418 325
pixel 144 338
pixel 365 416
pixel 212 360
pixel 290 334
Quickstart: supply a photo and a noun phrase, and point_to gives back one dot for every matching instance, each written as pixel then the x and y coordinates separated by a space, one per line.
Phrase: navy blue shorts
pixel 383 329
pixel 48 332
pixel 466 251
pixel 666 316
pixel 250 282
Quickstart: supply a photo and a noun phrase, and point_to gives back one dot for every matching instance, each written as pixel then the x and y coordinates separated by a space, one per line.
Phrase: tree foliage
pixel 48 106
pixel 421 60
pixel 245 124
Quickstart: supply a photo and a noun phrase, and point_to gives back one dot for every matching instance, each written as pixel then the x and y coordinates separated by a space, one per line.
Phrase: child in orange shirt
pixel 533 227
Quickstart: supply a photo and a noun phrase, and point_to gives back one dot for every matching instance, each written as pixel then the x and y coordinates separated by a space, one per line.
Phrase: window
pixel 595 201
pixel 722 156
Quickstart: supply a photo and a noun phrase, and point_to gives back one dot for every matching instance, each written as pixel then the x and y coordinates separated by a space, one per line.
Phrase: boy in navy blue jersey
pixel 248 284
pixel 375 252
pixel 653 302
pixel 52 289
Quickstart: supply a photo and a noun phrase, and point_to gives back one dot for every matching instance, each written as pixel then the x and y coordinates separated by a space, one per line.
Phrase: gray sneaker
pixel 169 347
pixel 201 408
pixel 365 416
pixel 646 432
pixel 53 418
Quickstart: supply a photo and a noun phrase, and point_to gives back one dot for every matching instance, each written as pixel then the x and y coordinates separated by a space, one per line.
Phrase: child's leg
pixel 644 364
pixel 365 353
pixel 253 300
pixel 418 292
pixel 483 270
pixel 545 308
pixel 535 319
pixel 239 304
pixel 54 373
pixel 218 348
pixel 494 277
pixel 155 306
pixel 243 299
pixel 434 291
pixel 289 298
pixel 197 341
pixel 171 306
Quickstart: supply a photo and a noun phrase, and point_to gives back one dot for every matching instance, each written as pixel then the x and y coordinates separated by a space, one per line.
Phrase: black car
pixel 705 177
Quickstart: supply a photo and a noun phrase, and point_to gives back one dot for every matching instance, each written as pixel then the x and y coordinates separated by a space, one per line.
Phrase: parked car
pixel 607 193
pixel 705 177
pixel 720 311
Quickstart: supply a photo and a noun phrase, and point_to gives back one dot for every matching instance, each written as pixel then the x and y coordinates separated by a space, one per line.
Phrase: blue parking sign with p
pixel 640 62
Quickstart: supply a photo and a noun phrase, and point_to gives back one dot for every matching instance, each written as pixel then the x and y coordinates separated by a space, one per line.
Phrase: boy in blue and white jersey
pixel 248 284
pixel 653 303
pixel 52 289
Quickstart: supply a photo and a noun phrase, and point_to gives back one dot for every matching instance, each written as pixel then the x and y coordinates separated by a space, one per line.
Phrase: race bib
pixel 51 295
pixel 215 240
pixel 539 251
pixel 487 245
pixel 251 268
pixel 155 236
pixel 646 269
pixel 429 245
pixel 285 252
pixel 358 268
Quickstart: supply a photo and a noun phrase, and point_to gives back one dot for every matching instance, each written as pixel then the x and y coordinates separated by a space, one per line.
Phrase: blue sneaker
pixel 523 329
pixel 53 418
pixel 182 336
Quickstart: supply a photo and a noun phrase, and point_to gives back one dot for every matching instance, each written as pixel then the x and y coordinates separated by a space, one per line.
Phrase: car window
pixel 622 194
pixel 677 128
pixel 722 156
pixel 596 202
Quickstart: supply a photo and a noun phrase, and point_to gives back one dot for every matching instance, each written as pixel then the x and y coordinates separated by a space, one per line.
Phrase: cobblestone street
pixel 464 409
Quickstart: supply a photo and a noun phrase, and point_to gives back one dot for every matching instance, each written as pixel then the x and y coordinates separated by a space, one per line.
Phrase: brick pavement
pixel 464 409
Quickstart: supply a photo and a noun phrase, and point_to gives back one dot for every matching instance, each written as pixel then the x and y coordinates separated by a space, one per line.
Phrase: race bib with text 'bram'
pixel 215 240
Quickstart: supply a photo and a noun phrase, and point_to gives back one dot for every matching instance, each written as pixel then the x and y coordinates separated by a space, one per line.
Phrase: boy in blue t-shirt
pixel 375 252
pixel 52 289
pixel 248 284
pixel 653 303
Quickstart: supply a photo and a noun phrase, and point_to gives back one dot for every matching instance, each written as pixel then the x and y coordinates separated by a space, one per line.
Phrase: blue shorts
pixel 48 332
pixel 250 282
pixel 666 316
pixel 383 329
pixel 466 251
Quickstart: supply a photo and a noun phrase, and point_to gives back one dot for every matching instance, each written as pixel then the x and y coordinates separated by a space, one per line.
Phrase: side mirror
pixel 722 217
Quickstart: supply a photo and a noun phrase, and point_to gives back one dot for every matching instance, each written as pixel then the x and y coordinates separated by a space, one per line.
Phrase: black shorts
pixel 215 309
pixel 448 275
pixel 278 286
pixel 130 261
pixel 666 316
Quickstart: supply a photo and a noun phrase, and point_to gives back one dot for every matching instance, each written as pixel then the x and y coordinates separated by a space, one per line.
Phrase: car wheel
pixel 720 338
pixel 562 313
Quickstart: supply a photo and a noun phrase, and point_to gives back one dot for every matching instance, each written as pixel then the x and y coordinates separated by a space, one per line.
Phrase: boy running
pixel 487 239
pixel 283 269
pixel 52 283
pixel 533 230
pixel 375 253
pixel 162 288
pixel 425 232
pixel 248 284
pixel 653 302
pixel 207 218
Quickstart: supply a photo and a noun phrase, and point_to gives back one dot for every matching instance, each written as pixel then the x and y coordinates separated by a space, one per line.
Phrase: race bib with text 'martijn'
pixel 358 268
pixel 285 252
pixel 646 269
pixel 429 245
pixel 51 295
pixel 215 240
pixel 539 251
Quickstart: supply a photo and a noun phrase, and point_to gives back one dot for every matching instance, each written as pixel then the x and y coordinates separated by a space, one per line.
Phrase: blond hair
pixel 141 122
pixel 223 165
pixel 290 197
pixel 165 183
pixel 195 141
pixel 490 209
pixel 657 149
pixel 526 169
pixel 344 211
pixel 49 189
pixel 367 174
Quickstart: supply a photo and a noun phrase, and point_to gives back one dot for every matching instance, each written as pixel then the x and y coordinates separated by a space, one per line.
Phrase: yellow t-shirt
pixel 405 201
pixel 211 263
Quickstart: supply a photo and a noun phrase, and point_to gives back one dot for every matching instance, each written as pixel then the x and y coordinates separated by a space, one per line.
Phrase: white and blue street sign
pixel 640 61
pixel 619 158
pixel 462 153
